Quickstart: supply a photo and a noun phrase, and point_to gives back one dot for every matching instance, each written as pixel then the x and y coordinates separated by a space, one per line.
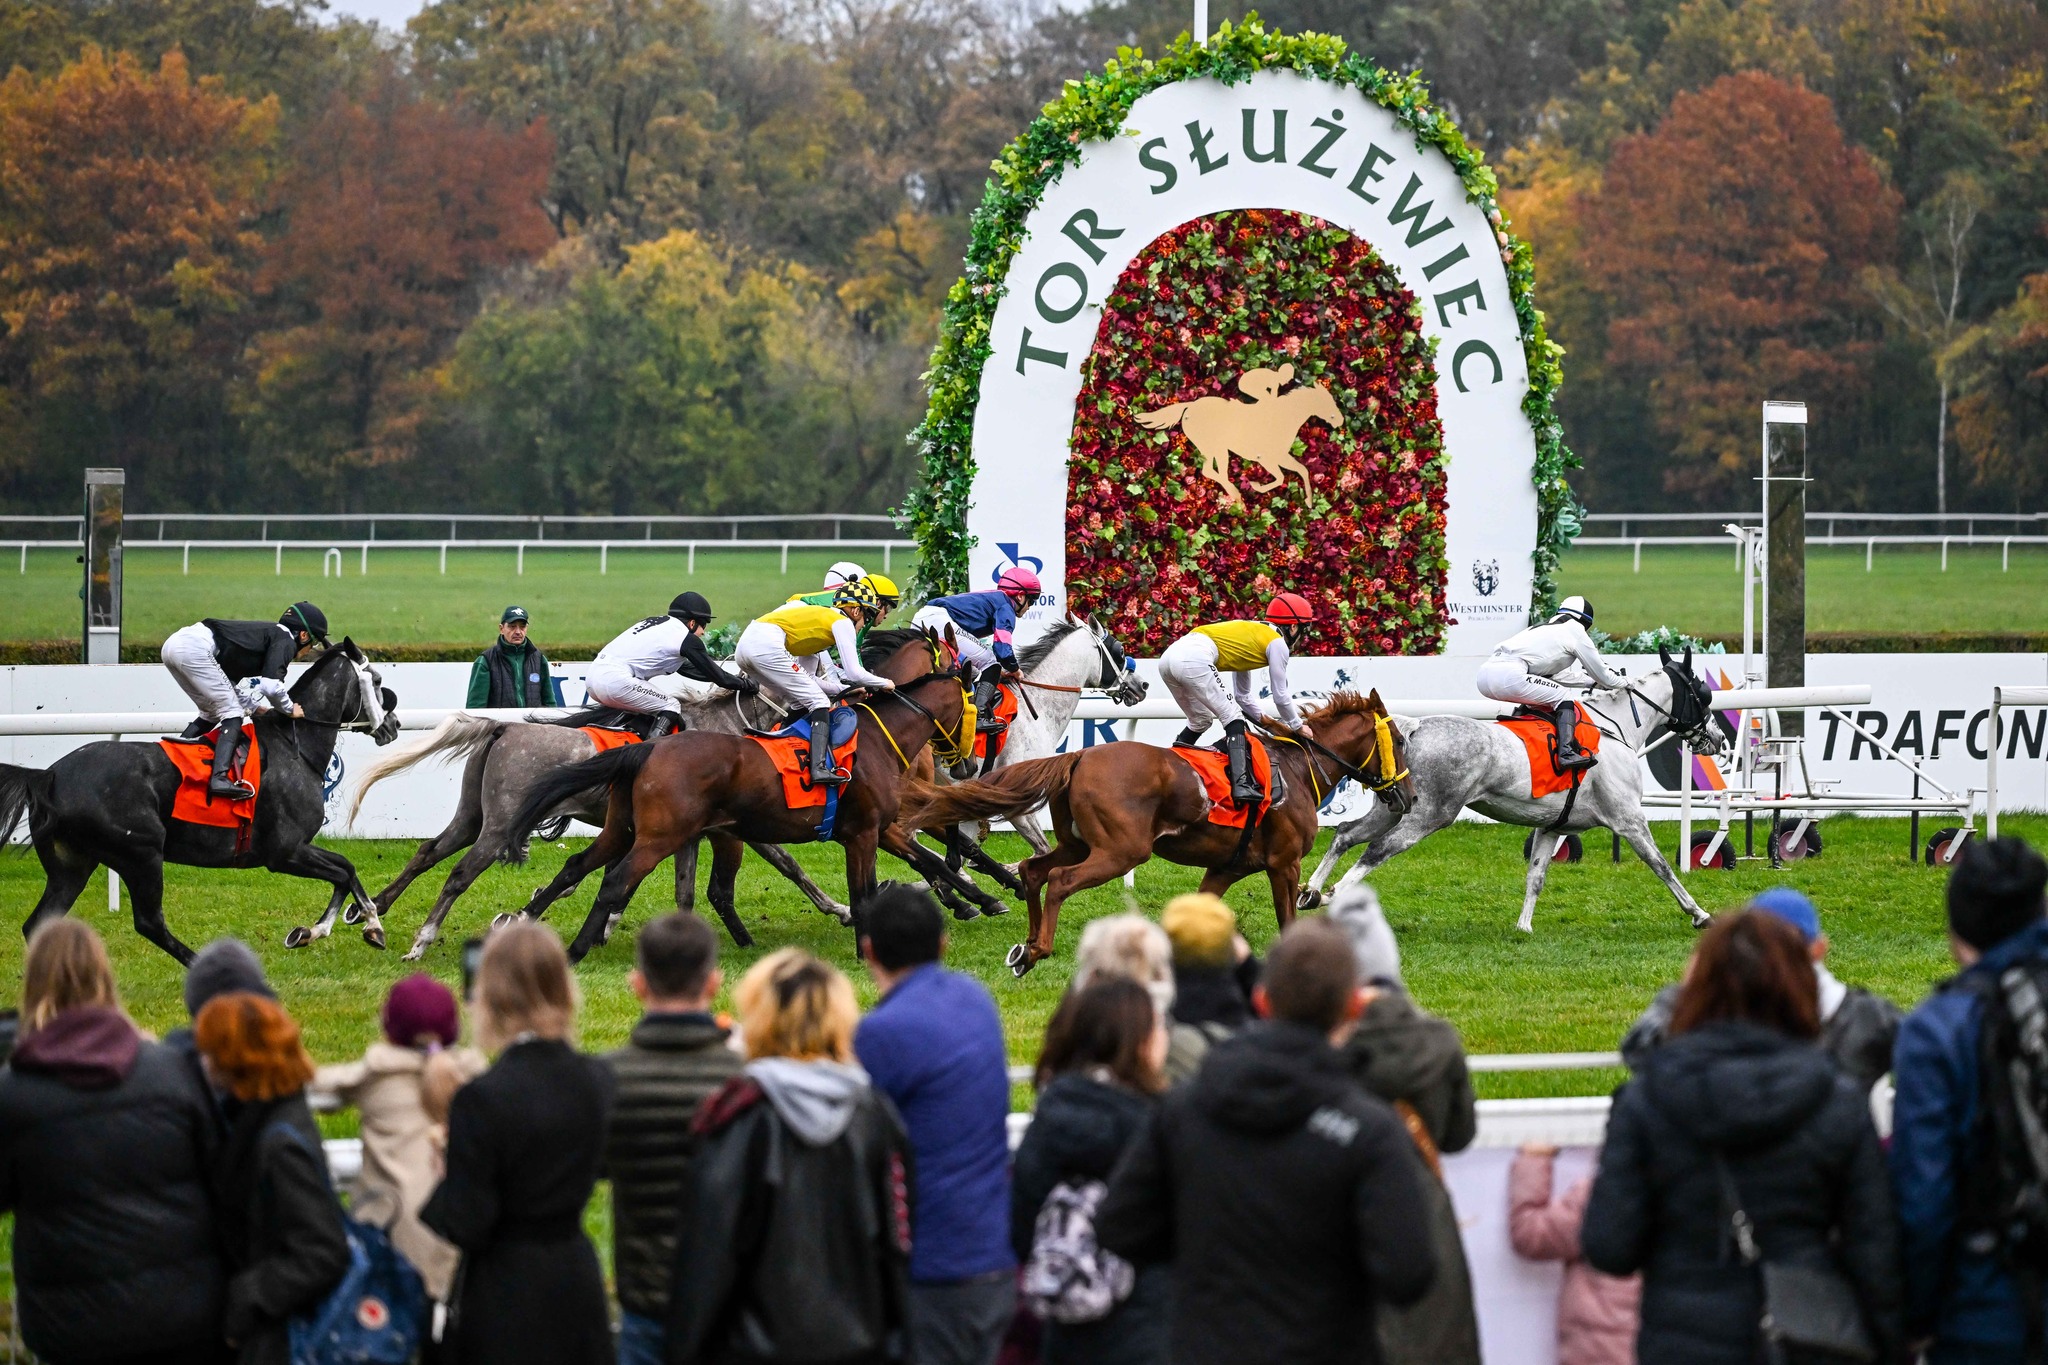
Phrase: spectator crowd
pixel 1229 1160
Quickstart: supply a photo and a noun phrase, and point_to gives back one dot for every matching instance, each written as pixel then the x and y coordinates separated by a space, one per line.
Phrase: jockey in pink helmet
pixel 985 616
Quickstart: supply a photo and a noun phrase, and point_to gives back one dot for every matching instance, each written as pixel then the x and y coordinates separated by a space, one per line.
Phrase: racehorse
pixel 1071 656
pixel 666 795
pixel 502 759
pixel 111 803
pixel 1116 805
pixel 1462 762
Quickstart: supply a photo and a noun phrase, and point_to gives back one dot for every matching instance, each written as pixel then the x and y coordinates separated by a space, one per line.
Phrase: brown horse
pixel 1116 805
pixel 665 795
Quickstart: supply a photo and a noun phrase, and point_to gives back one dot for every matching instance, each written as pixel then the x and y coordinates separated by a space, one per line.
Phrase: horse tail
pixel 22 792
pixel 1022 786
pixel 1160 419
pixel 608 769
pixel 460 735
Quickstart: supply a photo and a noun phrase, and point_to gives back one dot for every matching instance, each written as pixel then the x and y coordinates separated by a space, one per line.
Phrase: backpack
pixel 2004 1194
pixel 1068 1277
pixel 373 1316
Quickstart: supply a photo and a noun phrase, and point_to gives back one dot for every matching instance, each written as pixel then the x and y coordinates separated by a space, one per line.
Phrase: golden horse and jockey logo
pixel 1261 431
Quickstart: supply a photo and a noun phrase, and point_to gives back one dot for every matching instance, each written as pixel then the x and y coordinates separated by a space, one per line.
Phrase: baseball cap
pixel 1793 908
pixel 512 614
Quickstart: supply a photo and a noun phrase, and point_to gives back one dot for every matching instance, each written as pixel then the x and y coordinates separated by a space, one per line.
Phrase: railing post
pixel 522 559
pixel 785 558
pixel 887 550
pixel 1991 772
pixel 1639 556
pixel 693 557
pixel 1944 554
pixel 187 569
pixel 603 558
pixel 444 558
pixel 279 569
pixel 363 569
pixel 1869 553
pixel 2005 560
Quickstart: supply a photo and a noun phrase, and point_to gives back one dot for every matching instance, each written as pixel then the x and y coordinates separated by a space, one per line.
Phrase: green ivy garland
pixel 1094 109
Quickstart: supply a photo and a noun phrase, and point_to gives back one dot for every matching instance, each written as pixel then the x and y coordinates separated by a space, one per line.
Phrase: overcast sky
pixel 390 13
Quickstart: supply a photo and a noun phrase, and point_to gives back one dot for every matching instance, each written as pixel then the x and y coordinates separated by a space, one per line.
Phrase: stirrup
pixel 1579 761
pixel 230 790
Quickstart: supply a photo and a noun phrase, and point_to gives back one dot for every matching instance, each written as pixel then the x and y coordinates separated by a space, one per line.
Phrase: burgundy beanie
pixel 421 1007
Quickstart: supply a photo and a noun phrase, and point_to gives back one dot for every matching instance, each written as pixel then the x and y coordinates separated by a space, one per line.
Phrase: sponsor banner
pixel 1931 707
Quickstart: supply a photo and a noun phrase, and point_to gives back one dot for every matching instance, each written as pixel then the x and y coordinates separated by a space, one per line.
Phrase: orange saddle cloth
pixel 1214 770
pixel 193 803
pixel 1539 736
pixel 988 745
pixel 607 739
pixel 791 755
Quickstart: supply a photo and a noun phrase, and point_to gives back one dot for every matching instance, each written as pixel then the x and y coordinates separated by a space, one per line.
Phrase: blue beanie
pixel 1792 907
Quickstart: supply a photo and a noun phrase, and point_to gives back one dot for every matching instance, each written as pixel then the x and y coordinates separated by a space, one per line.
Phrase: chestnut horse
pixel 667 794
pixel 1116 805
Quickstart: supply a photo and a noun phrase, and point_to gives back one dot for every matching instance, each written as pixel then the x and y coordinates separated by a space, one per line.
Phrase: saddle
pixel 597 719
pixel 789 749
pixel 1211 766
pixel 1539 735
pixel 194 804
pixel 988 744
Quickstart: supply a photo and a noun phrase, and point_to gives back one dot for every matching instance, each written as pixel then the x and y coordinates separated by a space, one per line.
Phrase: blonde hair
pixel 1128 946
pixel 794 1005
pixel 1202 929
pixel 66 967
pixel 523 985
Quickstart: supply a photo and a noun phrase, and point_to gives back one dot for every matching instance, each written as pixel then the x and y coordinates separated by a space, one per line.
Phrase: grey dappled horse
pixel 1460 762
pixel 502 759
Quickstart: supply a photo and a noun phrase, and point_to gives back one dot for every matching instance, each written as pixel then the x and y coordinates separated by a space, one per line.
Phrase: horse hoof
pixel 501 919
pixel 1309 899
pixel 417 951
pixel 374 936
pixel 299 937
pixel 352 913
pixel 1018 960
pixel 995 907
pixel 965 912
pixel 1702 920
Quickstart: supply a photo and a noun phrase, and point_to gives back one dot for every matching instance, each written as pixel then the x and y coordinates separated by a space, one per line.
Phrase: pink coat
pixel 1596 1313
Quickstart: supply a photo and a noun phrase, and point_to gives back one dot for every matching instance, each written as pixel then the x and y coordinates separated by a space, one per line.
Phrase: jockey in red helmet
pixel 976 616
pixel 1193 667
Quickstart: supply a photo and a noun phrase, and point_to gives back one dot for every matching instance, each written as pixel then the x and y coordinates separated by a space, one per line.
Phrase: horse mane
pixel 1344 703
pixel 881 645
pixel 1036 653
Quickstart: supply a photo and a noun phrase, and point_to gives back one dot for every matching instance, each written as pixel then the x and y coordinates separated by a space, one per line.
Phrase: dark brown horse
pixel 665 795
pixel 1116 805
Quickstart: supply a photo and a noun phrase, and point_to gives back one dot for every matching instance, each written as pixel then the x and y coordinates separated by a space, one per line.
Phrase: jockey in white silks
pixel 658 662
pixel 1525 669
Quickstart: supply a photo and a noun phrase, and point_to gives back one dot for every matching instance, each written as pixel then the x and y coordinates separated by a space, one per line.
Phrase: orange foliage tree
pixel 1728 244
pixel 127 199
pixel 398 210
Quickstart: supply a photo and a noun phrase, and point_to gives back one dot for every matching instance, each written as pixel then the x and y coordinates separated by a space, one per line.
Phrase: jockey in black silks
pixel 209 657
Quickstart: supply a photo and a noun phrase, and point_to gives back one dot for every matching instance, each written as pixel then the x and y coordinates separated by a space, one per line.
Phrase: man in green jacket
pixel 513 672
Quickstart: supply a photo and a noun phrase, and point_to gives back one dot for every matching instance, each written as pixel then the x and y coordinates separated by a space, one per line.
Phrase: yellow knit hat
pixel 1201 927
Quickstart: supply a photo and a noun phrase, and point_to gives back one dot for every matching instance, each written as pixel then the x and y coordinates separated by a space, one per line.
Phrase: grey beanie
pixel 1356 910
pixel 222 967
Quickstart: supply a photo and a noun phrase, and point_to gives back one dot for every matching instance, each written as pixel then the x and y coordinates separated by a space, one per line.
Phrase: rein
pixel 952 738
pixel 1383 743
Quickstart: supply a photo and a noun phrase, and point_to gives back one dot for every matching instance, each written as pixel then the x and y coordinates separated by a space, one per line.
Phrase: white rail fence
pixel 1825 529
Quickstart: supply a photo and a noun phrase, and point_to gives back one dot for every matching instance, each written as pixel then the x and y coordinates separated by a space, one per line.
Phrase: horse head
pixel 1360 733
pixel 341 689
pixel 1691 712
pixel 1121 682
pixel 1318 402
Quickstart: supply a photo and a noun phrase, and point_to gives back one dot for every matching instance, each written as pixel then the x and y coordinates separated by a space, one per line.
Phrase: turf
pixel 1699 590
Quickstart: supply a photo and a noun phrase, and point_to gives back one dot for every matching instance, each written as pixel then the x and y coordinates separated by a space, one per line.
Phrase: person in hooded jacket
pixel 525 1141
pixel 794 1240
pixel 1287 1198
pixel 1415 1062
pixel 279 1220
pixel 106 1140
pixel 1100 1076
pixel 1740 1088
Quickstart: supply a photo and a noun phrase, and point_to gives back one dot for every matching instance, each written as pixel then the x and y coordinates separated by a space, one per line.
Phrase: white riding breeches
pixel 973 653
pixel 1188 668
pixel 189 656
pixel 1506 679
pixel 615 685
pixel 793 681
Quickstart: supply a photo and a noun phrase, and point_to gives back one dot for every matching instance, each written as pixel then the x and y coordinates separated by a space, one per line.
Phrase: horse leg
pixel 1541 845
pixel 900 842
pixel 316 864
pixel 1408 831
pixel 686 876
pixel 144 874
pixel 780 858
pixel 1363 830
pixel 987 864
pixel 1637 832
pixel 460 834
pixel 607 848
pixel 860 874
pixel 726 853
pixel 1101 864
pixel 474 864
pixel 65 876
pixel 1026 824
pixel 615 892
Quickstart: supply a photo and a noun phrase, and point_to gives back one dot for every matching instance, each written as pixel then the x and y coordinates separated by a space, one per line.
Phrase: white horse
pixel 1460 762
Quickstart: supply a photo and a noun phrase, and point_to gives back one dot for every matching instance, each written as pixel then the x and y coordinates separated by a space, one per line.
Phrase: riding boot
pixel 664 723
pixel 985 694
pixel 822 769
pixel 224 750
pixel 1188 738
pixel 1570 757
pixel 1237 753
pixel 198 729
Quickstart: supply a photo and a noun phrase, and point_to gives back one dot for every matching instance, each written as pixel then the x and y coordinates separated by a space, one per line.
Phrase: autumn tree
pixel 398 210
pixel 2002 414
pixel 1728 243
pixel 127 203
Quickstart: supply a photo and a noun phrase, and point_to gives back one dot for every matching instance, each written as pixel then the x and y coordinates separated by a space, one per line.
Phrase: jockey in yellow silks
pixel 785 651
pixel 1193 667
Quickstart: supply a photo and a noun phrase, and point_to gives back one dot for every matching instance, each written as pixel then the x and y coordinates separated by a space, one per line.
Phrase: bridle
pixel 959 742
pixel 1122 691
pixel 1691 718
pixel 1383 749
pixel 358 720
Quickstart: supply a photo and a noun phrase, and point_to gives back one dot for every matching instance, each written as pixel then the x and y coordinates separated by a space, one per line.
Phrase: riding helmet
pixel 1574 609
pixel 885 589
pixel 690 606
pixel 1019 579
pixel 842 573
pixel 307 617
pixel 859 594
pixel 1290 609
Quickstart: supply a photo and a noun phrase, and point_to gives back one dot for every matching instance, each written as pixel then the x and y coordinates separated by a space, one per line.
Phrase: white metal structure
pixel 2002 697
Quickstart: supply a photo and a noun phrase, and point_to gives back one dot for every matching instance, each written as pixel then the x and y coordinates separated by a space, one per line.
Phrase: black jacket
pixel 1274 1169
pixel 280 1223
pixel 525 1141
pixel 790 1250
pixel 529 682
pixel 106 1143
pixel 668 1068
pixel 1080 1130
pixel 1215 995
pixel 252 649
pixel 1796 1136
pixel 695 661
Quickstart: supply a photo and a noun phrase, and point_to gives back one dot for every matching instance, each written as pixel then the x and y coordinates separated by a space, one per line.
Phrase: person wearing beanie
pixel 226 966
pixel 1960 1300
pixel 1213 967
pixel 401 1158
pixel 1857 1028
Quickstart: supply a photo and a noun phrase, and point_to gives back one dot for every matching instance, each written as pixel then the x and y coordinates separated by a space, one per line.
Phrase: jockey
pixel 974 615
pixel 784 651
pixel 842 573
pixel 660 661
pixel 1193 666
pixel 209 657
pixel 1525 668
pixel 886 592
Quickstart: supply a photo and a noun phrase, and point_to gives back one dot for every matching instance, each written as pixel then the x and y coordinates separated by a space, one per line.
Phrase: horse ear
pixel 1287 372
pixel 1664 655
pixel 1378 705
pixel 1688 658
pixel 951 643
